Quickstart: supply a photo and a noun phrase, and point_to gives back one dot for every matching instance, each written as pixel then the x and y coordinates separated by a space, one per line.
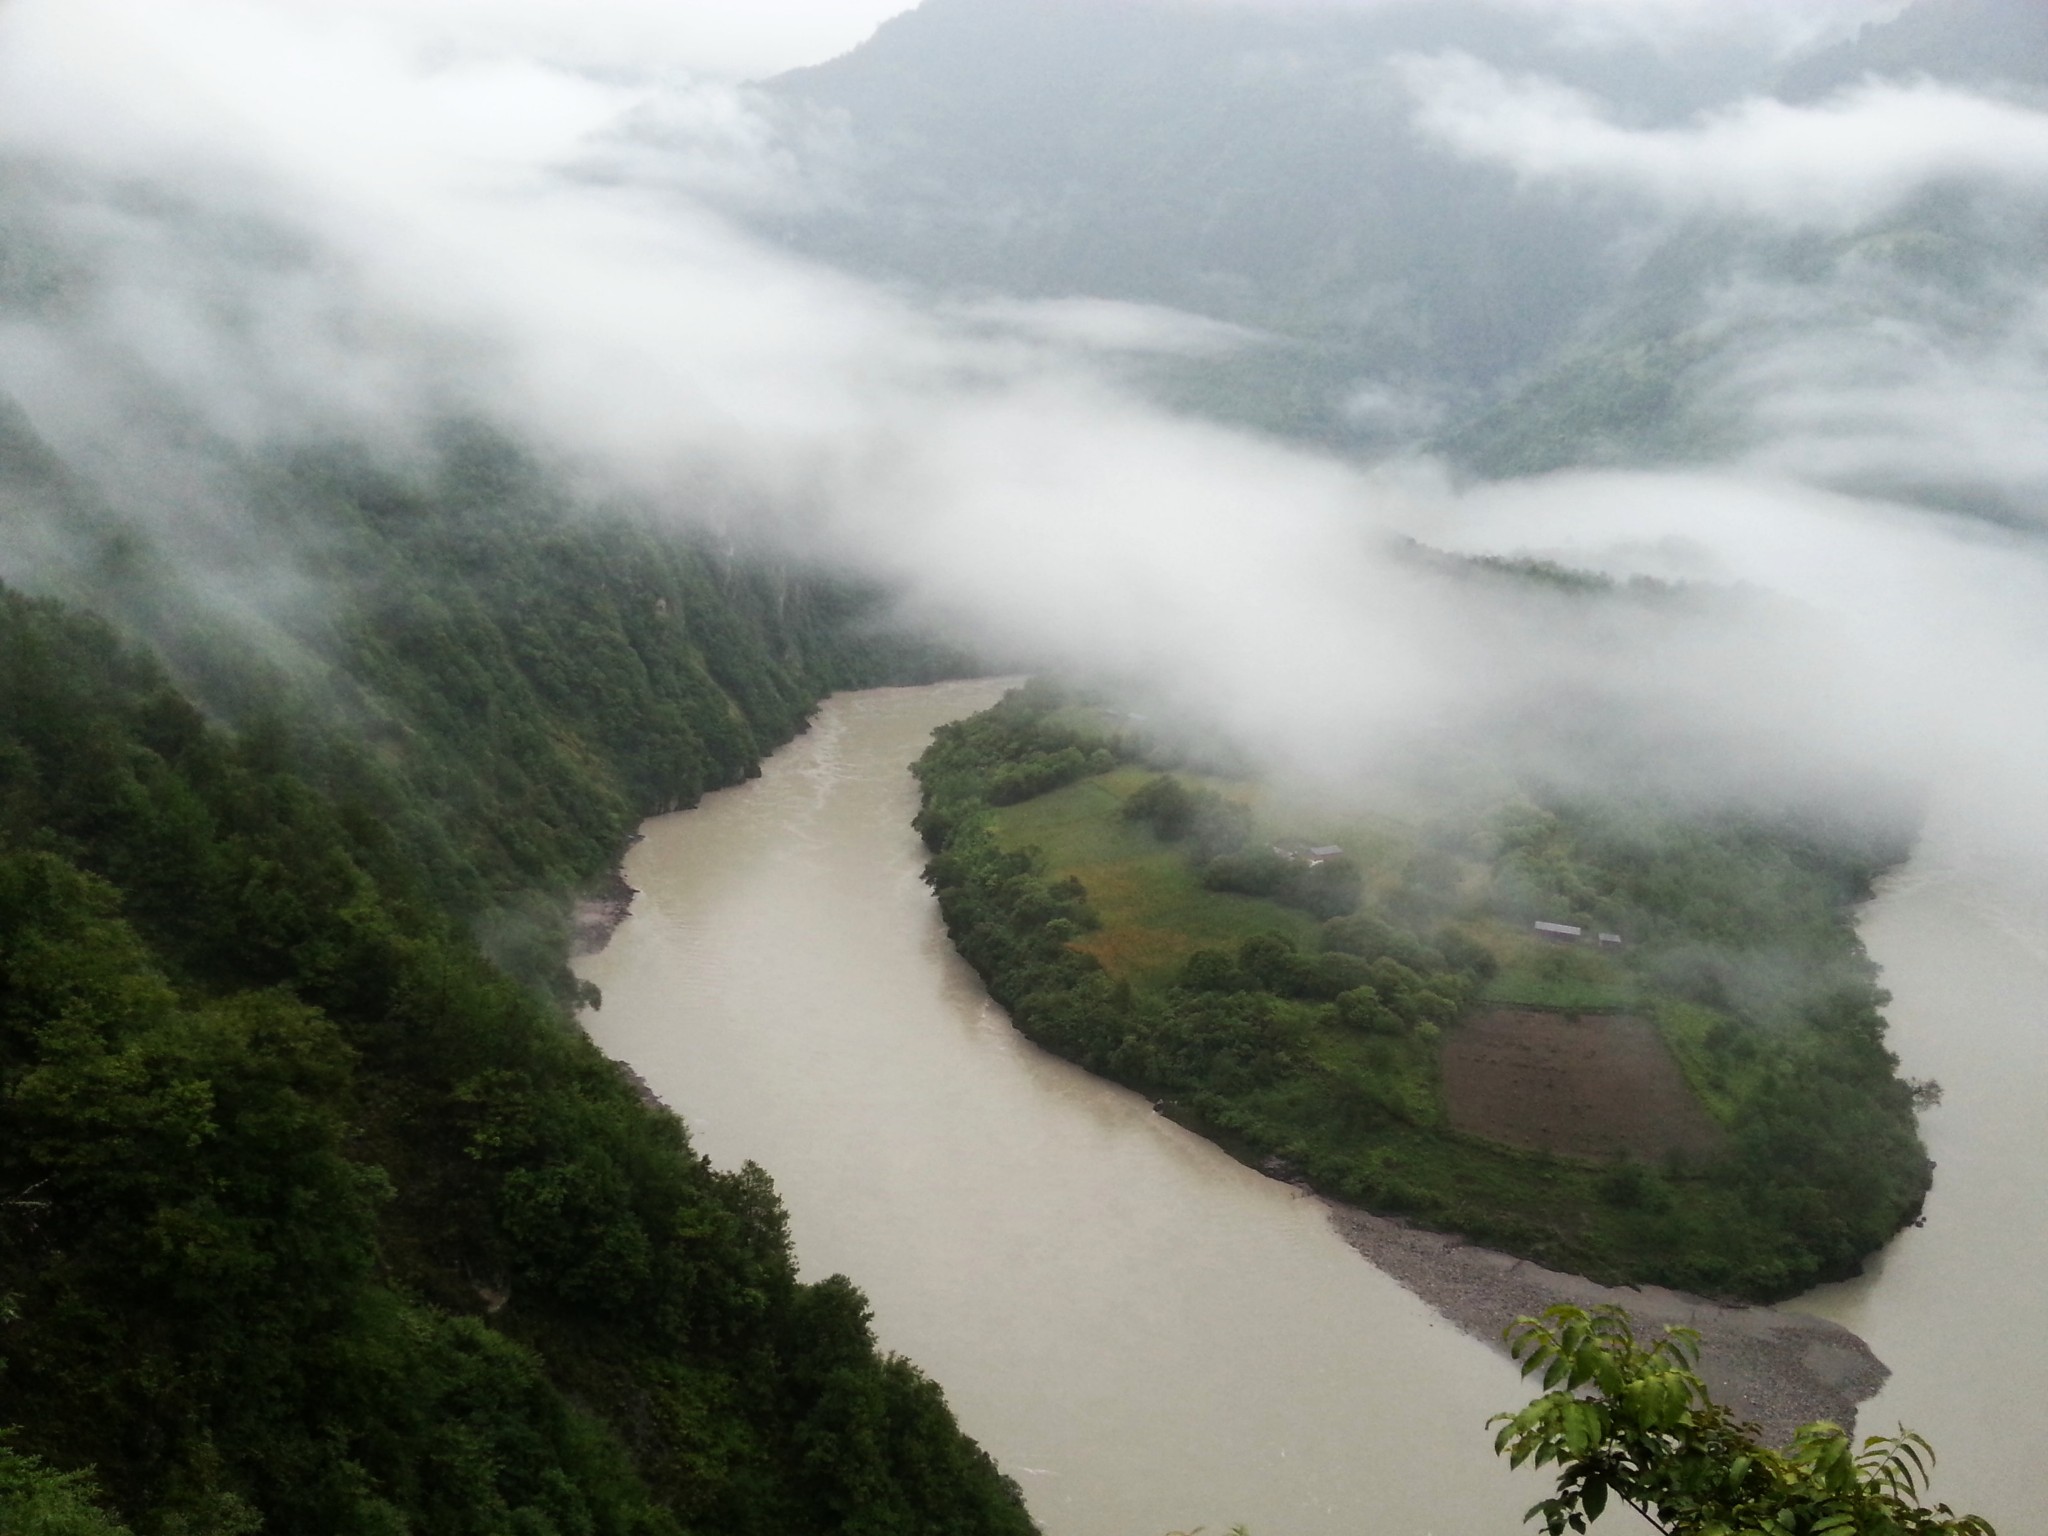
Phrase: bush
pixel 1259 873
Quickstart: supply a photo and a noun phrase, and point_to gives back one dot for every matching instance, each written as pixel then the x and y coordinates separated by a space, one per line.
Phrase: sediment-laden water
pixel 1147 1335
pixel 1959 1307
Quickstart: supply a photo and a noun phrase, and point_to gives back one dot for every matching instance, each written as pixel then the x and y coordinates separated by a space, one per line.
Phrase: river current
pixel 1958 1307
pixel 1147 1335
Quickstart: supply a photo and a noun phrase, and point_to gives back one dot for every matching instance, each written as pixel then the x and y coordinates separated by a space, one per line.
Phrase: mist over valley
pixel 1521 519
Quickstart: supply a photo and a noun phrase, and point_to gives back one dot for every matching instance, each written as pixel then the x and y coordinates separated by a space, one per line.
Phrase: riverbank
pixel 1777 1369
pixel 597 916
pixel 1147 1334
pixel 1331 1045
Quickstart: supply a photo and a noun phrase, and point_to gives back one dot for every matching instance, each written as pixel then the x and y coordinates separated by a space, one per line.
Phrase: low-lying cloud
pixel 1901 400
pixel 1831 165
pixel 286 225
pixel 1883 319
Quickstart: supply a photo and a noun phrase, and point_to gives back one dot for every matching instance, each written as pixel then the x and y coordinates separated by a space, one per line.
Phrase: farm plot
pixel 1578 1084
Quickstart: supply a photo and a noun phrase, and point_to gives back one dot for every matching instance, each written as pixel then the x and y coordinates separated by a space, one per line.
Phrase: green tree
pixel 316 1214
pixel 38 1500
pixel 1621 1419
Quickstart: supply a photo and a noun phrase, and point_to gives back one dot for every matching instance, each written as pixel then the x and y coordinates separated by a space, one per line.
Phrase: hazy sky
pixel 744 39
pixel 757 38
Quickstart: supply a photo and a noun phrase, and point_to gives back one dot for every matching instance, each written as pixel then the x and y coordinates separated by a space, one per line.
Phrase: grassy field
pixel 1154 911
pixel 1540 986
pixel 1537 974
pixel 1416 1085
pixel 1723 1079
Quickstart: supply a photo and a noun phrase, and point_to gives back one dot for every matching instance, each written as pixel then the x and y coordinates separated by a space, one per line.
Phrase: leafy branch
pixel 1625 1420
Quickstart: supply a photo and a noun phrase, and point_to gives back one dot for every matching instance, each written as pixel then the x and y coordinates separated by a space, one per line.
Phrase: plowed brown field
pixel 1584 1085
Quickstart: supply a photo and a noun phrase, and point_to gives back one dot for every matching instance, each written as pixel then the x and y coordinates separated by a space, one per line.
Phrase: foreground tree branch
pixel 1629 1421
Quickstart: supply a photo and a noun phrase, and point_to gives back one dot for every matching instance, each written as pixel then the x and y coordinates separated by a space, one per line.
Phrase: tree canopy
pixel 317 1211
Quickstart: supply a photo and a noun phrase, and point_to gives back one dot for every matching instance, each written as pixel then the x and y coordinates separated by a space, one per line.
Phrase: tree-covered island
pixel 1636 1043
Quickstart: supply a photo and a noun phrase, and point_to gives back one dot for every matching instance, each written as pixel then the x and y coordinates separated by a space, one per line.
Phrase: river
pixel 1147 1335
pixel 1957 1307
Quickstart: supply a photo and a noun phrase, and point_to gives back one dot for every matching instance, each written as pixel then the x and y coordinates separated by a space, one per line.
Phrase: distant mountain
pixel 1731 321
pixel 1260 165
pixel 1731 333
pixel 1961 42
pixel 1253 164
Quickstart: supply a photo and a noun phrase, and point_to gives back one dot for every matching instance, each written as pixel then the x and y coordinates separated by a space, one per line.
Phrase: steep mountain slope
pixel 1962 42
pixel 316 1211
pixel 1257 165
pixel 1265 166
pixel 1801 348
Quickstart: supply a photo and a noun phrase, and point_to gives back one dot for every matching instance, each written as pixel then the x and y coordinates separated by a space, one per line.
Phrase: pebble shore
pixel 1776 1369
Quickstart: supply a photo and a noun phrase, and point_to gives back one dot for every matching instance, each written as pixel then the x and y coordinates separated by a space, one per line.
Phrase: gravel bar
pixel 1776 1369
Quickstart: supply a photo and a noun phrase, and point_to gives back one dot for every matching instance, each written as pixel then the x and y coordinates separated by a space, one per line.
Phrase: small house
pixel 1610 941
pixel 1324 853
pixel 1560 933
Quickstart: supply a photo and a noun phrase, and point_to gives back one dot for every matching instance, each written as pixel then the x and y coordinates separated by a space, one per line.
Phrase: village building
pixel 1296 852
pixel 1559 933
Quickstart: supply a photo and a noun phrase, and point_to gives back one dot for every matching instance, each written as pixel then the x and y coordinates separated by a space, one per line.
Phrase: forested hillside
pixel 317 1213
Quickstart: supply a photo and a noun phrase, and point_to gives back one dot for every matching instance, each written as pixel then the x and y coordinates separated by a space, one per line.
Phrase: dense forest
pixel 1305 1030
pixel 317 1212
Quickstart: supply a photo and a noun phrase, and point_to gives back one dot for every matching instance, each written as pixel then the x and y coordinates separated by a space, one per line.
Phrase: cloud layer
pixel 289 224
pixel 1831 165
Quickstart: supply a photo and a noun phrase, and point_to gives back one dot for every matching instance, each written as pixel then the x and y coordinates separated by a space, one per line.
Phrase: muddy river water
pixel 1147 1335
pixel 1958 1307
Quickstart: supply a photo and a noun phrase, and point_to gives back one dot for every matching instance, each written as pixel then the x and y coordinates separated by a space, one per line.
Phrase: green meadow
pixel 1152 904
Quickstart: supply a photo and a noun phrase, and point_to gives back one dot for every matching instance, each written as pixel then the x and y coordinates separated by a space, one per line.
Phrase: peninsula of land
pixel 1612 1041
